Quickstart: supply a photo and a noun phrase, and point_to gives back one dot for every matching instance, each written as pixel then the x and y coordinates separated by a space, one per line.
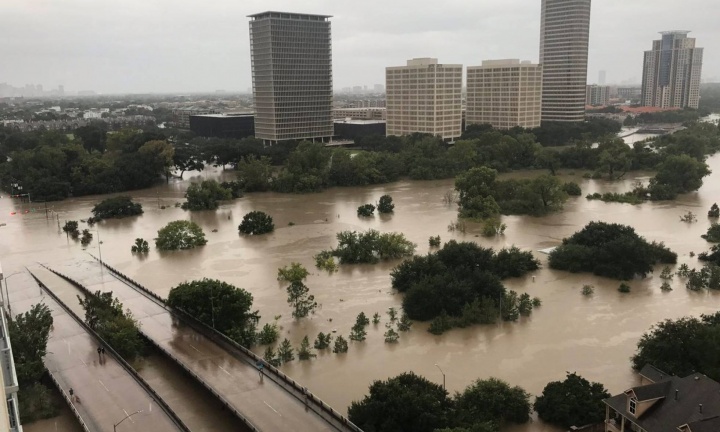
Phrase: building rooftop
pixel 359 122
pixel 291 15
pixel 225 115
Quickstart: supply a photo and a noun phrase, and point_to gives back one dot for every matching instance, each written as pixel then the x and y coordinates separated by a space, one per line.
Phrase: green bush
pixel 572 189
pixel 180 234
pixel 366 210
pixel 256 223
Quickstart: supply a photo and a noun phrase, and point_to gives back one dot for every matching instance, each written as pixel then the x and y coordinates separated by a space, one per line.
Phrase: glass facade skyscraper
pixel 564 36
pixel 291 56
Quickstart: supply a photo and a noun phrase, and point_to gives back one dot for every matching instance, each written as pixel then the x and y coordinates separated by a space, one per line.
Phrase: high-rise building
pixel 671 72
pixel 597 95
pixel 425 97
pixel 504 93
pixel 292 76
pixel 564 36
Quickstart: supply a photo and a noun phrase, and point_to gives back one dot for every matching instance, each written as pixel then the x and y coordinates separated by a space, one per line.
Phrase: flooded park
pixel 591 335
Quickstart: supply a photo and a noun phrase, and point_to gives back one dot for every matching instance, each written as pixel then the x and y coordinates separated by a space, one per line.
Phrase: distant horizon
pixel 160 46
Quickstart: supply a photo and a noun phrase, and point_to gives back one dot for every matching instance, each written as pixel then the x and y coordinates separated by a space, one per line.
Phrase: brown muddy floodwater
pixel 594 336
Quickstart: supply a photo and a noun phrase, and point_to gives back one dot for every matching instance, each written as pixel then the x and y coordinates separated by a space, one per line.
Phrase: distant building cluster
pixel 29 90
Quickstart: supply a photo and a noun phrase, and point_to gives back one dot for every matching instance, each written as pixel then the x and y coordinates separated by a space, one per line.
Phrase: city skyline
pixel 188 46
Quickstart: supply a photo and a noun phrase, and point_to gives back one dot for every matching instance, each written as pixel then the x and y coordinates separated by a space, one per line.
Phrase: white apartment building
pixel 671 72
pixel 504 94
pixel 424 96
pixel 359 113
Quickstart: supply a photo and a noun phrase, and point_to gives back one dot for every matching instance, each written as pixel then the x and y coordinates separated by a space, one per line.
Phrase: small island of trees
pixel 367 247
pixel 256 223
pixel 610 250
pixel 460 285
pixel 117 207
pixel 180 234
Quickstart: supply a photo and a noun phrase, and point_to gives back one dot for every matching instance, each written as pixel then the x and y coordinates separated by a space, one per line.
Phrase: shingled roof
pixel 669 413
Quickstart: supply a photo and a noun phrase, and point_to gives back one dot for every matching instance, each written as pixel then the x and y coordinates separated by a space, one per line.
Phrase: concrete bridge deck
pixel 267 404
pixel 106 391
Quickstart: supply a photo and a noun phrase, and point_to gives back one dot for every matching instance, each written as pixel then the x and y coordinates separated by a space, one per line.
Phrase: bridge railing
pixel 124 364
pixel 299 392
pixel 69 402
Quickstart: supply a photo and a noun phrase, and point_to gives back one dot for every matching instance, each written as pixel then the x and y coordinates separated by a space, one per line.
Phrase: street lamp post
pixel 443 374
pixel 125 418
pixel 7 292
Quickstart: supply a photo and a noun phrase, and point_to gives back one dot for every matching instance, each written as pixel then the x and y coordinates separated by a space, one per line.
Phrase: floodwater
pixel 593 336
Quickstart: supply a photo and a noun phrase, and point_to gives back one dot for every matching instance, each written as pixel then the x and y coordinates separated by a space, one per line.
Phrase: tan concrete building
pixel 564 37
pixel 671 72
pixel 504 93
pixel 597 95
pixel 359 113
pixel 426 97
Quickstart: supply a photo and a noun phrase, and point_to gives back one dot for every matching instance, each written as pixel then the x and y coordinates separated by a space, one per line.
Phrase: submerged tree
pixel 180 234
pixel 341 345
pixel 386 204
pixel 305 352
pixel 256 223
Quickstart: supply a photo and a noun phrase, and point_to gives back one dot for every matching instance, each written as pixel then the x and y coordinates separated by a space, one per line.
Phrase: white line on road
pixel 194 347
pixel 223 369
pixel 150 406
pixel 272 408
pixel 106 389
pixel 83 361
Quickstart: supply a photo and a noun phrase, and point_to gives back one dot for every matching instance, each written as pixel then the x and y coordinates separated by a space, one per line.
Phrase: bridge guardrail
pixel 65 396
pixel 230 345
pixel 124 364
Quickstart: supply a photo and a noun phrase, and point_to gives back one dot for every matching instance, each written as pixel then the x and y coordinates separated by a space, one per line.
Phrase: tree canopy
pixel 371 247
pixel 220 305
pixel 409 402
pixel 610 250
pixel 459 280
pixel 180 234
pixel 256 223
pixel 29 333
pixel 104 314
pixel 116 207
pixel 574 401
pixel 492 400
pixel 482 196
pixel 205 195
pixel 405 403
pixel 681 347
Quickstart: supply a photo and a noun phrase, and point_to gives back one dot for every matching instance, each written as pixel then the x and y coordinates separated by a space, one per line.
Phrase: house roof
pixel 668 413
pixel 650 391
pixel 652 373
pixel 711 424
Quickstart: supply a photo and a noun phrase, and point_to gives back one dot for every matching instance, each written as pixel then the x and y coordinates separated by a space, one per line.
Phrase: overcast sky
pixel 203 45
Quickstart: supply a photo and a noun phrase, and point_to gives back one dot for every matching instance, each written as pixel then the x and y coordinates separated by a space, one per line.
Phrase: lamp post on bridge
pixel 7 292
pixel 443 374
pixel 125 418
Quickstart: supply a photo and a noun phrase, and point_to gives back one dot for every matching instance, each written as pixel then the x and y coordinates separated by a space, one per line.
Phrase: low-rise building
pixel 359 113
pixel 665 403
pixel 223 125
pixel 354 129
pixel 181 116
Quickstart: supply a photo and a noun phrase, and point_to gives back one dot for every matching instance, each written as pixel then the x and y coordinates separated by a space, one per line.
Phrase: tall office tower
pixel 564 35
pixel 292 76
pixel 602 76
pixel 671 72
pixel 424 96
pixel 504 93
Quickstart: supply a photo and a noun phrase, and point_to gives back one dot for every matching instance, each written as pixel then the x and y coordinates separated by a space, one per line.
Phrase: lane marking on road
pixel 106 389
pixel 194 347
pixel 223 369
pixel 276 412
pixel 150 406
pixel 83 361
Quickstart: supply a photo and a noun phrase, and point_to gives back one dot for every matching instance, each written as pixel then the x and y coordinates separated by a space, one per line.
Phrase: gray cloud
pixel 193 45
